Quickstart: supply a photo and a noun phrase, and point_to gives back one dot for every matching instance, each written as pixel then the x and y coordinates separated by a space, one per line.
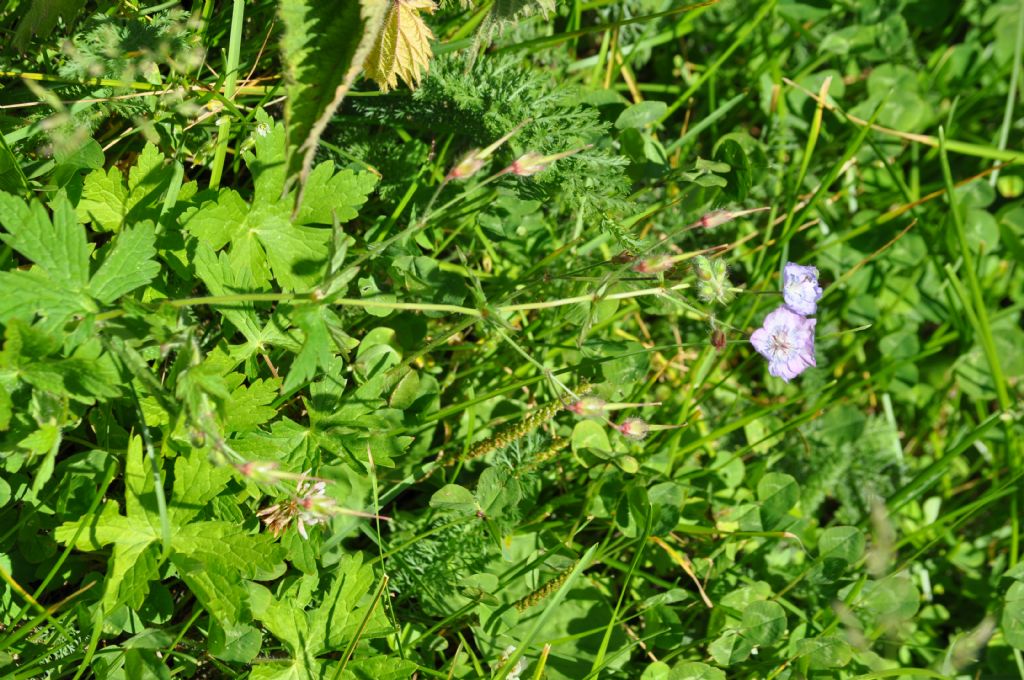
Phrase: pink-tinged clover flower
pixel 786 340
pixel 800 288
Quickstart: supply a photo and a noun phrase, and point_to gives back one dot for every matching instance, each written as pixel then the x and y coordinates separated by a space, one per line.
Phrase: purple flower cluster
pixel 786 339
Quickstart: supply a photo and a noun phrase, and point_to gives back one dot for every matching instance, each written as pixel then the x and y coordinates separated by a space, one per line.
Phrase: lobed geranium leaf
pixel 127 265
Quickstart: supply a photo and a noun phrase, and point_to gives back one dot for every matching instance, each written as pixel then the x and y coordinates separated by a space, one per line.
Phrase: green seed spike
pixel 538 596
pixel 512 433
pixel 557 446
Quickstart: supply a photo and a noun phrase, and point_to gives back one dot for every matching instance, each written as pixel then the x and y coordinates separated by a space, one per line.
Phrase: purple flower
pixel 787 341
pixel 800 288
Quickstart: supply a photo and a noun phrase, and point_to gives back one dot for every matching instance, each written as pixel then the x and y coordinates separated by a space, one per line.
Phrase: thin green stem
pixel 230 80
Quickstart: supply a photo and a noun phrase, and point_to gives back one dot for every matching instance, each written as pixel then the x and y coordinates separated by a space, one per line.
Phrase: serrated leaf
pixel 328 195
pixel 215 223
pixel 324 46
pixel 316 347
pixel 838 548
pixel 217 586
pixel 109 201
pixel 221 278
pixel 249 405
pixel 379 668
pixel 104 199
pixel 454 498
pixel 778 492
pixel 27 294
pixel 58 247
pixel 127 265
pixel 402 48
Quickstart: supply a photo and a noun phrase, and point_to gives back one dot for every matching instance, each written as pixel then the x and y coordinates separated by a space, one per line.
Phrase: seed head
pixel 713 283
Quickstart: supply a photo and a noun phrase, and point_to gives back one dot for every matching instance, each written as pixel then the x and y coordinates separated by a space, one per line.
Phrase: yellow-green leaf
pixel 402 49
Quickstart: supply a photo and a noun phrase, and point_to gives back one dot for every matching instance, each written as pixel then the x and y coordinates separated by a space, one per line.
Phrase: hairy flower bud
pixel 633 428
pixel 653 265
pixel 588 407
pixel 530 163
pixel 468 166
pixel 716 218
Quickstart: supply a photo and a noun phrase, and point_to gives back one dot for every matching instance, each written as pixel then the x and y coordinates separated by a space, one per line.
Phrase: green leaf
pixel 59 247
pixel 695 670
pixel 454 498
pixel 41 18
pixel 216 223
pixel 764 622
pixel 730 648
pixel 128 264
pixel 217 586
pixel 825 652
pixel 839 548
pixel 889 601
pixel 12 178
pixel 323 49
pixel 250 405
pixel 239 644
pixel 778 493
pixel 590 434
pixel 316 346
pixel 222 279
pixel 379 668
pixel 641 114
pixel 328 195
pixel 109 203
pixel 103 199
pixel 1012 621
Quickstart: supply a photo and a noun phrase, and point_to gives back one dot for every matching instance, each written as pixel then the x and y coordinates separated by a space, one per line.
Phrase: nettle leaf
pixel 402 48
pixel 324 47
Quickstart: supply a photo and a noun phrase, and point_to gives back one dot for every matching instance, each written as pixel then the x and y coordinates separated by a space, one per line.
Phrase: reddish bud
pixel 530 163
pixel 633 428
pixel 718 339
pixel 716 218
pixel 653 265
pixel 588 407
pixel 468 166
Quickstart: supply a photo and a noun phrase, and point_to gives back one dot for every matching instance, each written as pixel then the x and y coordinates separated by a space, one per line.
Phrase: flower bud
pixel 653 265
pixel 718 339
pixel 633 428
pixel 588 407
pixel 468 166
pixel 261 472
pixel 530 163
pixel 716 218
